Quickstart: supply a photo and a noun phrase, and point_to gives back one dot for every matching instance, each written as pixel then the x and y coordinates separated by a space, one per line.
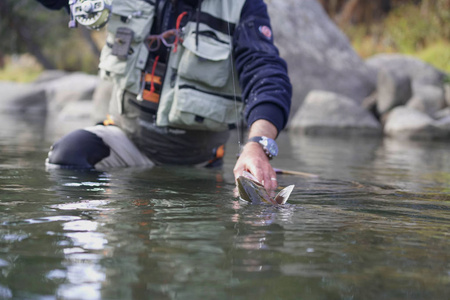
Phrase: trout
pixel 251 190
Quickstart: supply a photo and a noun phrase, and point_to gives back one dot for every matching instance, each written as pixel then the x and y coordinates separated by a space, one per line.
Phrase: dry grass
pixel 408 30
pixel 23 68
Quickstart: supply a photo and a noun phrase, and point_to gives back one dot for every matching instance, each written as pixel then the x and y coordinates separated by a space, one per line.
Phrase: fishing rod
pixel 295 173
pixel 240 122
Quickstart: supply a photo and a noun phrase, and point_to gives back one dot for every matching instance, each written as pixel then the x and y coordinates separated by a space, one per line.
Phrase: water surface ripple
pixel 375 224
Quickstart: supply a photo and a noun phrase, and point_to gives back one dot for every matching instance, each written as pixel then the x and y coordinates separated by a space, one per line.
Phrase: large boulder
pixel 50 93
pixel 393 89
pixel 443 113
pixel 329 113
pixel 429 99
pixel 420 72
pixel 23 98
pixel 74 111
pixel 64 99
pixel 74 115
pixel 49 75
pixel 407 122
pixel 411 97
pixel 447 93
pixel 318 54
pixel 69 88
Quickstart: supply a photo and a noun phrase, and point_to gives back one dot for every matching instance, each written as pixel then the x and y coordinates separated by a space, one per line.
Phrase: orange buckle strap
pixel 108 121
pixel 219 153
pixel 150 95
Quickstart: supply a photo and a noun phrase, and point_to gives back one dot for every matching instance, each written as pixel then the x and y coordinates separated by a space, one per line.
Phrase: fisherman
pixel 182 70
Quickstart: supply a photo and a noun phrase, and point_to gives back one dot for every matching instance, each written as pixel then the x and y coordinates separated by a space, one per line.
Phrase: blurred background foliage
pixel 415 27
pixel 34 38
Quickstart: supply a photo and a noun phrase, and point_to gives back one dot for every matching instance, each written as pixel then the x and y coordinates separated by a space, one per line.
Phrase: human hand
pixel 254 160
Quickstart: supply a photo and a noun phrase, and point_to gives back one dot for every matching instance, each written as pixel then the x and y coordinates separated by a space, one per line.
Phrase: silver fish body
pixel 251 190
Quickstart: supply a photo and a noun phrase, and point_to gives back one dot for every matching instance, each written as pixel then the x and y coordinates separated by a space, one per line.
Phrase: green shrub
pixel 419 30
pixel 407 30
pixel 73 54
pixel 410 29
pixel 437 54
pixel 23 68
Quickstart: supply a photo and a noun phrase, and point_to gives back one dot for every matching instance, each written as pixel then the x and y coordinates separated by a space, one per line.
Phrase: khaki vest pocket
pixel 209 63
pixel 126 74
pixel 136 15
pixel 198 110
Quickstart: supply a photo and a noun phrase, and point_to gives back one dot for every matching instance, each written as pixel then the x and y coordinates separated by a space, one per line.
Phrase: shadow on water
pixel 374 224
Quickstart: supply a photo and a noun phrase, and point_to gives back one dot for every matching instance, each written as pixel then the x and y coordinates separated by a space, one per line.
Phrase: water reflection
pixel 139 232
pixel 336 157
pixel 403 164
pixel 375 223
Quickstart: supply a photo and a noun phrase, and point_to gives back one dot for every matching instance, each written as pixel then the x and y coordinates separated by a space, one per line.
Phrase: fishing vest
pixel 200 90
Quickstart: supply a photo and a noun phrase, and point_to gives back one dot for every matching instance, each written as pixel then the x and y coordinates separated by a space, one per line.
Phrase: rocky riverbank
pixel 336 92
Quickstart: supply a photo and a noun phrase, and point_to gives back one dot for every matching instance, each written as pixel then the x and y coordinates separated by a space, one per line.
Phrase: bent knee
pixel 78 149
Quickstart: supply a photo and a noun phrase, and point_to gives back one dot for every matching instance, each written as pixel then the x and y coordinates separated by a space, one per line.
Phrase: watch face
pixel 270 146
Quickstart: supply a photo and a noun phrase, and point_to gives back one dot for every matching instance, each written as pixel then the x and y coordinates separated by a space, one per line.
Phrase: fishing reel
pixel 93 14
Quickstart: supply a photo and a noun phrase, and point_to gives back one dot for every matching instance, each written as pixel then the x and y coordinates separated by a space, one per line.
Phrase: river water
pixel 375 224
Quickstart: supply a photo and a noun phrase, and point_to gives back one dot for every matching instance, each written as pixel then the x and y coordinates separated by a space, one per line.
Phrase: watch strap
pixel 267 144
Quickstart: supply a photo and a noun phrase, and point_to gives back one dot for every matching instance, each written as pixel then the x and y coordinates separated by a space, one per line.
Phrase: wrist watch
pixel 269 145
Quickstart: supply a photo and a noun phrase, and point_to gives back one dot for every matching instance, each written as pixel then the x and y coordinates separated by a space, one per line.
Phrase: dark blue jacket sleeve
pixel 263 74
pixel 54 4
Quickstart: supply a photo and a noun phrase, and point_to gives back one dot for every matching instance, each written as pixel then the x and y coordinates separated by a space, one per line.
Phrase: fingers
pixel 255 161
pixel 273 182
pixel 270 179
pixel 265 174
pixel 238 169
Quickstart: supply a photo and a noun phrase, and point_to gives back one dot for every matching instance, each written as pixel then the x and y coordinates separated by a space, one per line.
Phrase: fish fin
pixel 284 194
pixel 249 176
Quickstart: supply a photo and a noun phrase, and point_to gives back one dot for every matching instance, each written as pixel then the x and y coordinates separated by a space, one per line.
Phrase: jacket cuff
pixel 270 112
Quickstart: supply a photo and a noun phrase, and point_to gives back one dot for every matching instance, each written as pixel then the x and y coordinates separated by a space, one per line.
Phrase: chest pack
pixel 199 90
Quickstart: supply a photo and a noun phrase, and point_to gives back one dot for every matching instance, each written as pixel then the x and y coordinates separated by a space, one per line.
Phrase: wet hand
pixel 254 160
